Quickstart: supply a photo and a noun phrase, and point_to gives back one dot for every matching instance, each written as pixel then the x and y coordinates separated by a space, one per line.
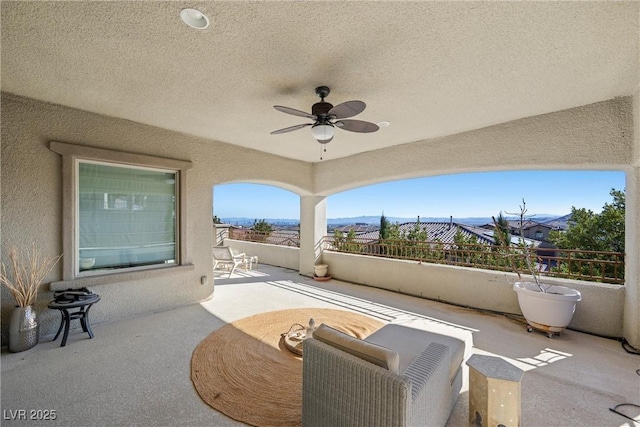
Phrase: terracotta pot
pixel 23 329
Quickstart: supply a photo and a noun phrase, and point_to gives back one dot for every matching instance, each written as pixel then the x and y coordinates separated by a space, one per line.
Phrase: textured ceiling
pixel 429 68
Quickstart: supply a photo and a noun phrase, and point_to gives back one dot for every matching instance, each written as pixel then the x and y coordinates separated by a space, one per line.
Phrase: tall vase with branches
pixel 22 275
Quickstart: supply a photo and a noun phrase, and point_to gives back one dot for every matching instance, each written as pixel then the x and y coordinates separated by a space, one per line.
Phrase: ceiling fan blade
pixel 348 109
pixel 294 112
pixel 290 128
pixel 357 126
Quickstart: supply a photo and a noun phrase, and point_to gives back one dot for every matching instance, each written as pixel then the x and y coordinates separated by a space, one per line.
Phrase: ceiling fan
pixel 326 118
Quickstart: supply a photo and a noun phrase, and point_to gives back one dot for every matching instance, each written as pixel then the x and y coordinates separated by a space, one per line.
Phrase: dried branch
pixel 26 271
pixel 535 273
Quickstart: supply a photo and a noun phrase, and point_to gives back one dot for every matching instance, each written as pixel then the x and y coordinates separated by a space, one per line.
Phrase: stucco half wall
pixel 280 256
pixel 31 209
pixel 599 312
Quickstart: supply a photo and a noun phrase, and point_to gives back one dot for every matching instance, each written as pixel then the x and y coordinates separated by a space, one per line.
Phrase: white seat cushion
pixel 409 343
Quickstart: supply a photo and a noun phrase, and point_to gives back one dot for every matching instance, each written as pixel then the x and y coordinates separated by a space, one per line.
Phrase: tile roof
pixel 357 228
pixel 446 231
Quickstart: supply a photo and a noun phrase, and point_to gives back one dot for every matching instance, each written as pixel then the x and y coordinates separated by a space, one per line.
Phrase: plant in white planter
pixel 548 308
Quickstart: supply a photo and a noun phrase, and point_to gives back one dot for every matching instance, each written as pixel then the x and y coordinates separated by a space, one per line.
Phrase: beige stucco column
pixel 313 227
pixel 631 319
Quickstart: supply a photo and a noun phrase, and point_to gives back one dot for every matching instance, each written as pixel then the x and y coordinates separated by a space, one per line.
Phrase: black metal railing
pixel 596 266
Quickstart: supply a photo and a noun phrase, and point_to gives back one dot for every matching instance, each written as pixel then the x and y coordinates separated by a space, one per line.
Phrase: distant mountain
pixel 560 223
pixel 375 220
pixel 243 221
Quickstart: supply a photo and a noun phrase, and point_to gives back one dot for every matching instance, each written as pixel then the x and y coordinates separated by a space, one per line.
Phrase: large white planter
pixel 549 311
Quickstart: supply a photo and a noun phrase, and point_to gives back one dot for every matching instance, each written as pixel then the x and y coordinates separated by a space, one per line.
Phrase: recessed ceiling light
pixel 383 124
pixel 194 18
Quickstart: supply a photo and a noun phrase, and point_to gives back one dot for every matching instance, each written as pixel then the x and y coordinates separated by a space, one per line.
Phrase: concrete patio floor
pixel 136 371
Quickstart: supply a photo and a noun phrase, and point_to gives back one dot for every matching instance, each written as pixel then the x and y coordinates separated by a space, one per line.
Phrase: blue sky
pixel 461 195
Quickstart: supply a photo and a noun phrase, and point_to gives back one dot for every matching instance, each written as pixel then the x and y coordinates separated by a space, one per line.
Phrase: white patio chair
pixel 224 256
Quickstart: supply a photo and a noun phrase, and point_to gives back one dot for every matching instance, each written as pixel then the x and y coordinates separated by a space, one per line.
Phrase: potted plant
pixel 24 274
pixel 548 308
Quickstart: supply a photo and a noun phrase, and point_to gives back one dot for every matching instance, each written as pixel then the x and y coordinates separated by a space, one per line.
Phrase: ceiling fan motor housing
pixel 321 109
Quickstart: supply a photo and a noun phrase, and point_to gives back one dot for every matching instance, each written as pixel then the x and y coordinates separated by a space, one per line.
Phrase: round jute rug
pixel 244 370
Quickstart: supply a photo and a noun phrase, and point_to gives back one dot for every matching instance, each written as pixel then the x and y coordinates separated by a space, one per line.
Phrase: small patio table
pixel 65 302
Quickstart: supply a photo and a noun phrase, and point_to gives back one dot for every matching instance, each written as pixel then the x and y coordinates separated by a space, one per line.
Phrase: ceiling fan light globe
pixel 323 132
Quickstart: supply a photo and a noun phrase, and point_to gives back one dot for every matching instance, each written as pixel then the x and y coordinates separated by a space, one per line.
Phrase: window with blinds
pixel 127 216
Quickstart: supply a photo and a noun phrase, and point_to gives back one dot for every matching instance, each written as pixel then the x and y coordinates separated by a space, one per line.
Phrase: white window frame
pixel 71 156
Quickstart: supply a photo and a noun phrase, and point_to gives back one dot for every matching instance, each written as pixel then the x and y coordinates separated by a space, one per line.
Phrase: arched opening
pixel 573 221
pixel 241 204
pixel 261 221
pixel 479 194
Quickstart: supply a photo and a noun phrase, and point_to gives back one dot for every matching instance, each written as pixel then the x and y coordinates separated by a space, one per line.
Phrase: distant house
pixel 532 229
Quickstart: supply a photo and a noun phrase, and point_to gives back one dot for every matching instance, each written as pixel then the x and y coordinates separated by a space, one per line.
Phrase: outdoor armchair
pixel 224 256
pixel 350 382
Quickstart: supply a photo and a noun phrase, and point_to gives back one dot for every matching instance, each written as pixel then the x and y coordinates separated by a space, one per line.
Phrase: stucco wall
pixel 595 136
pixel 599 312
pixel 280 256
pixel 31 208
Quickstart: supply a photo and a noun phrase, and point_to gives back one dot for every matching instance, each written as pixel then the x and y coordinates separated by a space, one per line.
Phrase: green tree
pixel 352 246
pixel 346 243
pixel 393 232
pixel 589 231
pixel 384 227
pixel 262 226
pixel 391 247
pixel 260 231
pixel 384 233
pixel 413 244
pixel 595 232
pixel 417 233
pixel 338 240
pixel 501 231
pixel 469 250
